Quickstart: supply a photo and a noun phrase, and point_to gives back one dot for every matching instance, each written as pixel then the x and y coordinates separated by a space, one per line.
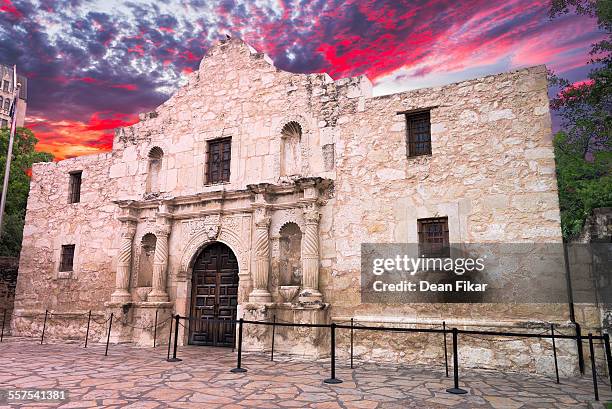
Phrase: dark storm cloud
pixel 95 67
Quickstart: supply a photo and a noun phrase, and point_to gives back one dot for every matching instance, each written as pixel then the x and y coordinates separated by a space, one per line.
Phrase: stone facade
pixel 317 167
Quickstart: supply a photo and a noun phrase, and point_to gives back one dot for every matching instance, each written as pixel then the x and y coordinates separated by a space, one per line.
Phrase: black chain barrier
pixel 551 334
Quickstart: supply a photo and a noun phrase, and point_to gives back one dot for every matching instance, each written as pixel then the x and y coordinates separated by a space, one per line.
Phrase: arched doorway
pixel 214 297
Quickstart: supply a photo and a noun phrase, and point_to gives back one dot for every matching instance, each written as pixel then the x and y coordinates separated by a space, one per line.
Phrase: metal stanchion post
pixel 456 390
pixel 352 325
pixel 110 327
pixel 333 379
pixel 273 332
pixel 3 320
pixel 593 368
pixel 445 348
pixel 42 337
pixel 176 329
pixel 608 355
pixel 552 334
pixel 87 332
pixel 580 352
pixel 239 368
pixel 155 330
pixel 169 340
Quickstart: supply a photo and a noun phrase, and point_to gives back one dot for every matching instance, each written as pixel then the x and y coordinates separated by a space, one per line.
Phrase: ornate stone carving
pixel 160 262
pixel 310 254
pixel 232 230
pixel 124 260
pixel 210 225
pixel 260 291
pixel 282 217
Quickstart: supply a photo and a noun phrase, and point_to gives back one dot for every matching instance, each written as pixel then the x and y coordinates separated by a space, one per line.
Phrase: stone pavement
pixel 141 378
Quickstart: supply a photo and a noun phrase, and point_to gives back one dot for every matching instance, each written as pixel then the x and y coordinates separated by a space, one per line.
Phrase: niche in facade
pixel 147 255
pixel 290 263
pixel 291 157
pixel 154 169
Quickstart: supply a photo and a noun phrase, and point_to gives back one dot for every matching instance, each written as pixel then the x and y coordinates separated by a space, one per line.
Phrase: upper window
pixel 5 86
pixel 219 156
pixel 67 260
pixel 155 161
pixel 7 104
pixel 418 137
pixel 75 187
pixel 433 237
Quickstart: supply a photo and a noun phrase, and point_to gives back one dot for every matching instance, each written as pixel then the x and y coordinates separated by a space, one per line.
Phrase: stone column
pixel 260 293
pixel 160 264
pixel 310 254
pixel 124 262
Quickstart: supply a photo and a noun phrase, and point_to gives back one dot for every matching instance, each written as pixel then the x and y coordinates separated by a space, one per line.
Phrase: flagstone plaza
pixel 141 378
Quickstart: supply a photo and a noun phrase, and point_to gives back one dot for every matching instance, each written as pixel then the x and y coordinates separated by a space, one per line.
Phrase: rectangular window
pixel 5 86
pixel 219 156
pixel 418 127
pixel 75 187
pixel 67 261
pixel 433 237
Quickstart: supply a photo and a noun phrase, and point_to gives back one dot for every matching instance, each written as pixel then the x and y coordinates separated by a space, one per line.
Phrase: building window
pixel 5 86
pixel 67 261
pixel 75 187
pixel 433 237
pixel 418 127
pixel 155 161
pixel 219 156
pixel 7 104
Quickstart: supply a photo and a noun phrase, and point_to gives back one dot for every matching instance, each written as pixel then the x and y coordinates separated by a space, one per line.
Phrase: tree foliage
pixel 24 156
pixel 583 149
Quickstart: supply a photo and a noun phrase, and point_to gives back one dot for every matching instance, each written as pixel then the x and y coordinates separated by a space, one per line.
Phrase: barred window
pixel 67 260
pixel 219 156
pixel 433 237
pixel 418 128
pixel 75 187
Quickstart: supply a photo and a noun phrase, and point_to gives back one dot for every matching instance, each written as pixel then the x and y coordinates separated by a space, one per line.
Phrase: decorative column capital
pixel 128 229
pixel 311 213
pixel 162 230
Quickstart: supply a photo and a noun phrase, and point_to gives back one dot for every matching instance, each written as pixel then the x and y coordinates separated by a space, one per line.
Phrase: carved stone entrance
pixel 214 297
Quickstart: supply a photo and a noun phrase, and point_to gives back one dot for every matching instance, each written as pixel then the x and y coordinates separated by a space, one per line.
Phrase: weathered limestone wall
pixel 52 222
pixel 491 173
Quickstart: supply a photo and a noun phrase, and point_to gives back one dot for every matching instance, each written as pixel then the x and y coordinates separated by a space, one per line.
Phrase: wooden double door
pixel 214 297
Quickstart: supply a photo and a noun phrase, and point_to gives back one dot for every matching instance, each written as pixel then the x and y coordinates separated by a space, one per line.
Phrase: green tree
pixel 583 147
pixel 23 157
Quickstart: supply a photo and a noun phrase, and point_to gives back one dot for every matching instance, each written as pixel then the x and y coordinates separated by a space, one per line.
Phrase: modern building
pixel 249 192
pixel 6 96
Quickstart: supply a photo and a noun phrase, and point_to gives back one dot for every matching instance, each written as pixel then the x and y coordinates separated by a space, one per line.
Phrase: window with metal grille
pixel 219 156
pixel 75 187
pixel 67 260
pixel 418 127
pixel 433 237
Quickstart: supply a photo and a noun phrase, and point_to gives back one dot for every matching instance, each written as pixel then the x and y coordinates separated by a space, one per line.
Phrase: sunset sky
pixel 94 65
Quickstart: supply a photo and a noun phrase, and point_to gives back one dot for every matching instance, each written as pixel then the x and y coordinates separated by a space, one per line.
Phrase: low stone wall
pixel 529 355
pixel 59 326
